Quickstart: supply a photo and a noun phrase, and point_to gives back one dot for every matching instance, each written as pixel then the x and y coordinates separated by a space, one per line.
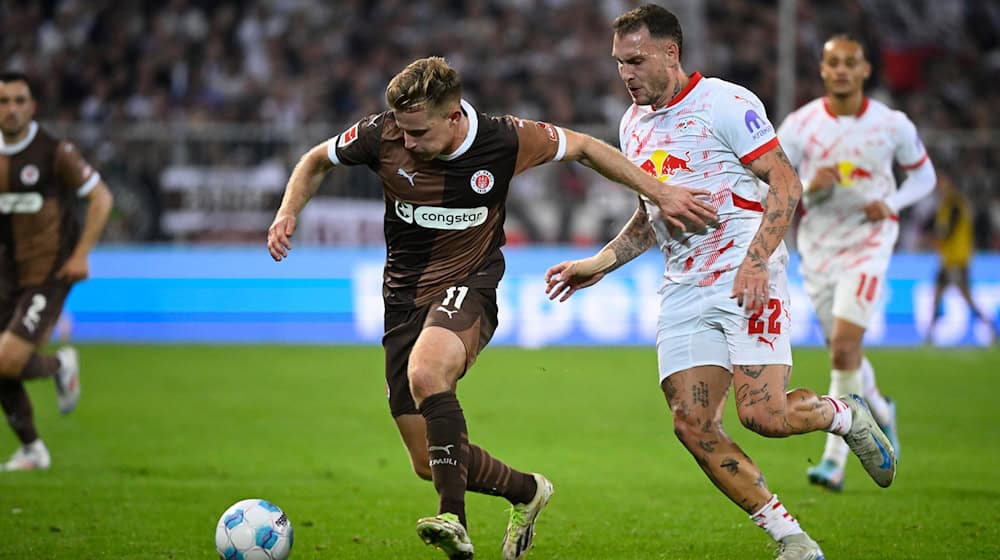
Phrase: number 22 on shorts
pixel 757 326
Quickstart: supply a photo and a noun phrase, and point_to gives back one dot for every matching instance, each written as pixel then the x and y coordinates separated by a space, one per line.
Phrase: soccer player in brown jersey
pixel 43 252
pixel 445 171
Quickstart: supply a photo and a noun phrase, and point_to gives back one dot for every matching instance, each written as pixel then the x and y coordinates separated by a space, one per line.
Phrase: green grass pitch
pixel 166 437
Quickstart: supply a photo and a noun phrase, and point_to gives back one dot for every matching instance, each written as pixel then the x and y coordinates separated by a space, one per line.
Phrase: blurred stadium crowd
pixel 195 110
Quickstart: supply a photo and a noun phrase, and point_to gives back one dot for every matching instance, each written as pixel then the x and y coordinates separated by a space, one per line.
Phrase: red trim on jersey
pixel 695 78
pixel 861 111
pixel 894 218
pixel 826 105
pixel 864 106
pixel 915 165
pixel 760 151
pixel 740 202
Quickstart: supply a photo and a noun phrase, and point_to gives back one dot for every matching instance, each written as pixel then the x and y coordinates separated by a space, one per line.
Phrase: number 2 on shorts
pixel 756 326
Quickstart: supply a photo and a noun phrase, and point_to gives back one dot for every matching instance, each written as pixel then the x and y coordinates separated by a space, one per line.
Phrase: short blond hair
pixel 427 83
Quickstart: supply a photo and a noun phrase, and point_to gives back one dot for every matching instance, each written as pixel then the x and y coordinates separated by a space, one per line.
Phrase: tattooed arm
pixel 750 287
pixel 570 276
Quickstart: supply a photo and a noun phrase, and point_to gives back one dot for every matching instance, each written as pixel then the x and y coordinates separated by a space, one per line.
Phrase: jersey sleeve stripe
pixel 740 202
pixel 331 150
pixel 915 165
pixel 760 151
pixel 88 185
pixel 561 150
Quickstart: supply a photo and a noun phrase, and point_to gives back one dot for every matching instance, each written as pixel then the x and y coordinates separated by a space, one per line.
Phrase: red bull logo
pixel 849 173
pixel 663 165
pixel 858 173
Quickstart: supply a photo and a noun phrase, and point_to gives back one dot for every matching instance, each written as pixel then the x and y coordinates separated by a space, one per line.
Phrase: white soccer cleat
pixel 889 428
pixel 68 379
pixel 29 457
pixel 445 532
pixel 869 443
pixel 799 547
pixel 520 533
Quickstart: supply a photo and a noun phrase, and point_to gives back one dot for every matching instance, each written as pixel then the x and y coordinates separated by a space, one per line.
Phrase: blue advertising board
pixel 212 294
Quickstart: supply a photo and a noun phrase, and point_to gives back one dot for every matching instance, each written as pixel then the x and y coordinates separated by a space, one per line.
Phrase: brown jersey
pixel 40 179
pixel 444 218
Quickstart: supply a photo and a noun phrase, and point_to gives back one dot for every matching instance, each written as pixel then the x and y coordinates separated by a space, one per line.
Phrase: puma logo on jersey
pixel 450 312
pixel 445 448
pixel 20 203
pixel 33 315
pixel 409 176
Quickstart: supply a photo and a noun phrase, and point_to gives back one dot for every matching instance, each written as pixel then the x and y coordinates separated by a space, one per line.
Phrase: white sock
pixel 842 382
pixel 842 416
pixel 775 519
pixel 846 381
pixel 876 402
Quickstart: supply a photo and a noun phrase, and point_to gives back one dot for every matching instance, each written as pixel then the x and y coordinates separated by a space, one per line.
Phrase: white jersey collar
pixel 470 136
pixel 861 111
pixel 21 144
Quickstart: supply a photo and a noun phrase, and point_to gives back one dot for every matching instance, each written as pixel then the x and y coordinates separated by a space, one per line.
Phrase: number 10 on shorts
pixel 773 326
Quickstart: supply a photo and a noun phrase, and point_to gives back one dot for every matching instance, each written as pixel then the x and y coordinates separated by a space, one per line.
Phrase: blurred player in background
pixel 954 242
pixel 844 145
pixel 445 171
pixel 723 319
pixel 43 252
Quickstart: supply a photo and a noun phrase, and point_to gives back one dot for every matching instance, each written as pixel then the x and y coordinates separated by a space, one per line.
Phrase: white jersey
pixel 834 236
pixel 702 140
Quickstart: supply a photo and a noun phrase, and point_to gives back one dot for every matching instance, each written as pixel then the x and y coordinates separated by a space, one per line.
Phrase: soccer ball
pixel 253 530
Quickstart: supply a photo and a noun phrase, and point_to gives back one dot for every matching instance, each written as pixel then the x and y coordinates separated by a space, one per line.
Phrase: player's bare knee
pixel 425 381
pixel 11 365
pixel 764 422
pixel 845 353
pixel 690 430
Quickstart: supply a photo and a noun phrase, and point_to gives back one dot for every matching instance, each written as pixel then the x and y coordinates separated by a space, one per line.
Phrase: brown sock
pixel 17 407
pixel 448 448
pixel 490 476
pixel 39 366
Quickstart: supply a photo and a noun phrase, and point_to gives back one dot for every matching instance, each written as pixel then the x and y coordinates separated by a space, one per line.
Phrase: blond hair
pixel 427 83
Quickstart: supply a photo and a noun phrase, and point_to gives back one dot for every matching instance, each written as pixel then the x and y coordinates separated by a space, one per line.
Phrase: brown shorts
pixel 471 313
pixel 31 312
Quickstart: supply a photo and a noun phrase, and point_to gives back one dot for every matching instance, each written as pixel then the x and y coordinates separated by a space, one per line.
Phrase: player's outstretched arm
pixel 750 286
pixel 565 278
pixel 680 207
pixel 99 203
pixel 301 187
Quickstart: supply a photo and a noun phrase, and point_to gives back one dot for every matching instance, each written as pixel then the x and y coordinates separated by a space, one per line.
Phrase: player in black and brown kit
pixel 43 252
pixel 445 172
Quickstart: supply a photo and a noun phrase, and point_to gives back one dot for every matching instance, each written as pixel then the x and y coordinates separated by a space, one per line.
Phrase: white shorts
pixel 700 326
pixel 853 296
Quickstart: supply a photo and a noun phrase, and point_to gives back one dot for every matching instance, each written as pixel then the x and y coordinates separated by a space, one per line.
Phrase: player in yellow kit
pixel 955 244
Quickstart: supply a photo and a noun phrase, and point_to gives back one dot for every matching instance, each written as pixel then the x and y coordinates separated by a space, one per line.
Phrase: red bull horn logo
pixel 663 165
pixel 849 173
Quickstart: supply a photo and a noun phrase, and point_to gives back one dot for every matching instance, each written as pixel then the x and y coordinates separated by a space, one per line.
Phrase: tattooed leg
pixel 764 407
pixel 697 397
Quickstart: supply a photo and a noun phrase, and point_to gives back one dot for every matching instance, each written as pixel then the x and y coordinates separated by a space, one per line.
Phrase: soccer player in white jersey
pixel 844 145
pixel 723 319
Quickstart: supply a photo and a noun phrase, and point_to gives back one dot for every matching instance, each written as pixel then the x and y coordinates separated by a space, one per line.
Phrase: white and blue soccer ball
pixel 253 530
